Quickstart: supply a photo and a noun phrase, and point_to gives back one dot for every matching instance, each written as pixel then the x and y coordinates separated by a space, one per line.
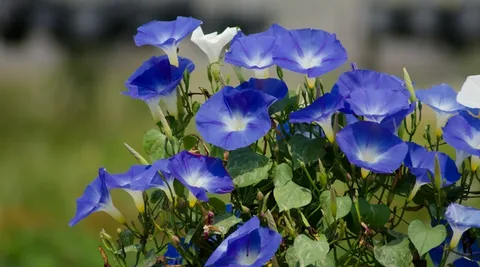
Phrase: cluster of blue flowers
pixel 363 120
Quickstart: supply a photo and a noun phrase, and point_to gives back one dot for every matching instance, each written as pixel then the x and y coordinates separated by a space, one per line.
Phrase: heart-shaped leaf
pixel 225 221
pixel 425 237
pixel 247 167
pixel 305 149
pixel 306 251
pixel 291 196
pixel 344 205
pixel 374 215
pixel 283 174
pixel 394 254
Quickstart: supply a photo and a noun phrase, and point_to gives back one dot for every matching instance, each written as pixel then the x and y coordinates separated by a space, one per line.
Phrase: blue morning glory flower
pixel 271 86
pixel 274 30
pixel 320 112
pixel 372 147
pixel 421 163
pixel 233 118
pixel 136 180
pixel 157 80
pixel 309 51
pixel 461 218
pixel 200 174
pixel 252 52
pixel 250 245
pixel 462 132
pixel 166 35
pixel 443 100
pixel 368 80
pixel 436 253
pixel 375 105
pixel 95 198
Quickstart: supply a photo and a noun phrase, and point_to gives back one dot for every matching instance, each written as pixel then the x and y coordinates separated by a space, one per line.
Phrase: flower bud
pixel 175 241
pixel 245 209
pixel 119 231
pixel 260 196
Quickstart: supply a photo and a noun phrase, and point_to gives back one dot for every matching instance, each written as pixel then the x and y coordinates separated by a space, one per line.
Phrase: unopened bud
pixel 259 196
pixel 104 235
pixel 175 241
pixel 119 231
pixel 245 209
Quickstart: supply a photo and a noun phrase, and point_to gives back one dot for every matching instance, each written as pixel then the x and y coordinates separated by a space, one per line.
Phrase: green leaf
pixel 127 238
pixel 394 254
pixel 218 204
pixel 374 215
pixel 156 196
pixel 283 174
pixel 189 142
pixel 155 145
pixel 305 149
pixel 291 196
pixel 306 251
pixel 247 167
pixel 149 260
pixel 344 205
pixel 225 221
pixel 216 152
pixel 284 104
pixel 424 237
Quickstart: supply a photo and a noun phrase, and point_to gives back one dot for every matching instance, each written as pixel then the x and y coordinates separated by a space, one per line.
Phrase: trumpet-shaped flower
pixel 252 52
pixel 376 105
pixel 234 118
pixel 200 174
pixel 212 44
pixel 157 80
pixel 421 163
pixel 320 112
pixel 469 95
pixel 166 35
pixel 309 51
pixel 443 100
pixel 271 86
pixel 461 218
pixel 436 253
pixel 372 147
pixel 462 132
pixel 367 80
pixel 250 245
pixel 95 198
pixel 136 180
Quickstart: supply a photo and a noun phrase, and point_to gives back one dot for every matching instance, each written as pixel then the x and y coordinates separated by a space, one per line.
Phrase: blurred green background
pixel 62 115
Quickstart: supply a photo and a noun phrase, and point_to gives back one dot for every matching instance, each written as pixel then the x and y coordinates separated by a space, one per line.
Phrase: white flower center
pixel 309 60
pixel 235 123
pixel 369 155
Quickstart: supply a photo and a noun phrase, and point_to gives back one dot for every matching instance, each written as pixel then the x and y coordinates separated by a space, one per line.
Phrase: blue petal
pixel 370 146
pixel 157 78
pixel 462 217
pixel 261 243
pixel 274 87
pixel 368 80
pixel 351 119
pixel 462 132
pixel 93 197
pixel 377 104
pixel 200 174
pixel 158 181
pixel 441 98
pixel 165 33
pixel 275 30
pixel 233 119
pixel 309 51
pixel 138 177
pixel 395 120
pixel 251 52
pixel 321 109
